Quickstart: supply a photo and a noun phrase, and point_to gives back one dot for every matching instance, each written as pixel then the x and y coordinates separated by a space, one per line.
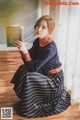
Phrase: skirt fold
pixel 40 95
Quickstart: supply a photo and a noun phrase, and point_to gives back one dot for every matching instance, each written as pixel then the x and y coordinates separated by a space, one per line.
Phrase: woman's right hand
pixel 21 46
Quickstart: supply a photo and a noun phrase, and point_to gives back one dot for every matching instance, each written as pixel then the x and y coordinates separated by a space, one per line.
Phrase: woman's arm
pixel 23 50
pixel 43 60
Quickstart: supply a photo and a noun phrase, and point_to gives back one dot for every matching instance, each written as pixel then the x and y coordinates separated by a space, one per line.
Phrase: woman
pixel 39 82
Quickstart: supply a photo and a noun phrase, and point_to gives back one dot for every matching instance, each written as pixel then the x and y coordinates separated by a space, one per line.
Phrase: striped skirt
pixel 39 95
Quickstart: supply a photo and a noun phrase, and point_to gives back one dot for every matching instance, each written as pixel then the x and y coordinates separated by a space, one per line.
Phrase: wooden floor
pixel 9 62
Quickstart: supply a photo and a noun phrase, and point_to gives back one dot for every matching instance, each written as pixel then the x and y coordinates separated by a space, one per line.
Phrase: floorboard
pixel 9 62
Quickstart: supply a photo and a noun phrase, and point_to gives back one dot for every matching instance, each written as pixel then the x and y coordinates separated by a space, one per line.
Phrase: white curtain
pixel 69 47
pixel 67 35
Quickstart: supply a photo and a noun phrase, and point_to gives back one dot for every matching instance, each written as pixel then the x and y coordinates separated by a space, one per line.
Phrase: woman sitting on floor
pixel 39 82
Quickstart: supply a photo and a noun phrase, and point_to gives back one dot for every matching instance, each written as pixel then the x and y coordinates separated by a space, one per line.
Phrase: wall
pixel 18 12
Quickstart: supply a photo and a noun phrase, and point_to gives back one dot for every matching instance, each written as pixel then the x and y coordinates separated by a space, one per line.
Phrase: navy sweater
pixel 43 58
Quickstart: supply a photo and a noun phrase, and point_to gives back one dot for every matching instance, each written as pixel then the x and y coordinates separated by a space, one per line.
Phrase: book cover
pixel 13 33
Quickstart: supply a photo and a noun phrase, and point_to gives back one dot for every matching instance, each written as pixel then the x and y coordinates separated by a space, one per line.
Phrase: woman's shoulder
pixel 36 41
pixel 51 45
pixel 49 48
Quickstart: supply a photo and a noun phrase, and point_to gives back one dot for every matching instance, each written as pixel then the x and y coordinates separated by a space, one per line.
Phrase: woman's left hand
pixel 21 46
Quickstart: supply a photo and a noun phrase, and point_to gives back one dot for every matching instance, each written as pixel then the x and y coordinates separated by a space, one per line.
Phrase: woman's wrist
pixel 26 56
pixel 24 50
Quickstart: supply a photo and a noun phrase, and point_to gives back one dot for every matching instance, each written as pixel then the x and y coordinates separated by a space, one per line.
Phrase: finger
pixel 17 45
pixel 18 41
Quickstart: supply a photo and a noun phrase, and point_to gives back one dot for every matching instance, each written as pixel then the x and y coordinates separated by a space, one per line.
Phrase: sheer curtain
pixel 69 47
pixel 67 37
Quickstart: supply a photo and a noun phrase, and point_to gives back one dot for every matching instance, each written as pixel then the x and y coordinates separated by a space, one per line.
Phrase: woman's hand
pixel 21 46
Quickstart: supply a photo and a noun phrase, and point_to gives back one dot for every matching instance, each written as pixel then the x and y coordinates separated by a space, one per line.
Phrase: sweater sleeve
pixel 31 51
pixel 44 58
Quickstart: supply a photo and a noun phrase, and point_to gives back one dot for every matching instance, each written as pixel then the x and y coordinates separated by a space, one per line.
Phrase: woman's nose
pixel 39 29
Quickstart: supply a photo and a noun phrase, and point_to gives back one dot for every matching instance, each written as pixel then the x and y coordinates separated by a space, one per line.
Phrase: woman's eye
pixel 37 25
pixel 43 27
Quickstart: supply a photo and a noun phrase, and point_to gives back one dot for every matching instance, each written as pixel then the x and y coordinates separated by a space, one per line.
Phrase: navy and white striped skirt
pixel 39 95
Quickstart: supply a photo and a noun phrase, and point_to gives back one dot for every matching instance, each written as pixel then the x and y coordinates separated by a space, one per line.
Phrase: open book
pixel 13 33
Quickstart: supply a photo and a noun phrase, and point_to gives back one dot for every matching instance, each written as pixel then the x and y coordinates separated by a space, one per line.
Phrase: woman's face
pixel 41 30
